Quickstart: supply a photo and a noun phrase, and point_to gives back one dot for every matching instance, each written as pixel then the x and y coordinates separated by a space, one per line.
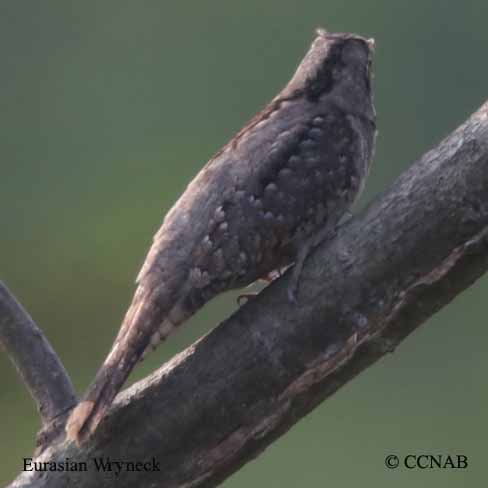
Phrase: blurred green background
pixel 106 111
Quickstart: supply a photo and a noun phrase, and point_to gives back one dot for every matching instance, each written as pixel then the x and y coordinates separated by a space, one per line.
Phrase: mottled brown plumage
pixel 273 192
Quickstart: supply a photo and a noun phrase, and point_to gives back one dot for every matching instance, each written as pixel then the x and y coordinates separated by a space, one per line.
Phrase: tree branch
pixel 220 402
pixel 35 360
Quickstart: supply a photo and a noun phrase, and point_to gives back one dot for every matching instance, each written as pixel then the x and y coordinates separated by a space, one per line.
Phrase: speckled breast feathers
pixel 256 206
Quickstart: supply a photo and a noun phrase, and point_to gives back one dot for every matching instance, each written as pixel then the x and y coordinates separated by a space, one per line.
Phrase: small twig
pixel 35 360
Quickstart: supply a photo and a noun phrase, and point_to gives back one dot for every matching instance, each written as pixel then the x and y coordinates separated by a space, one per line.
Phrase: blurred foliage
pixel 107 110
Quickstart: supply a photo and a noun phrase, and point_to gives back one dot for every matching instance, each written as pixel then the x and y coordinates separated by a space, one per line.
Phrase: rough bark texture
pixel 219 403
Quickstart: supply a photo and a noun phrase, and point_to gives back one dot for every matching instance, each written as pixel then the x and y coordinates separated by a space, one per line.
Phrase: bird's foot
pixel 326 234
pixel 297 271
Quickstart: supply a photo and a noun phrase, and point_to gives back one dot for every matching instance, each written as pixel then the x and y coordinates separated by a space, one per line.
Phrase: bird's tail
pixel 144 326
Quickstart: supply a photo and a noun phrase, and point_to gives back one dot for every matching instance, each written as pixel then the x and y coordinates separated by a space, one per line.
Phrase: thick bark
pixel 219 403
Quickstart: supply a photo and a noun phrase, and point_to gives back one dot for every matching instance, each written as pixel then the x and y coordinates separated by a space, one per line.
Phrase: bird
pixel 275 191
